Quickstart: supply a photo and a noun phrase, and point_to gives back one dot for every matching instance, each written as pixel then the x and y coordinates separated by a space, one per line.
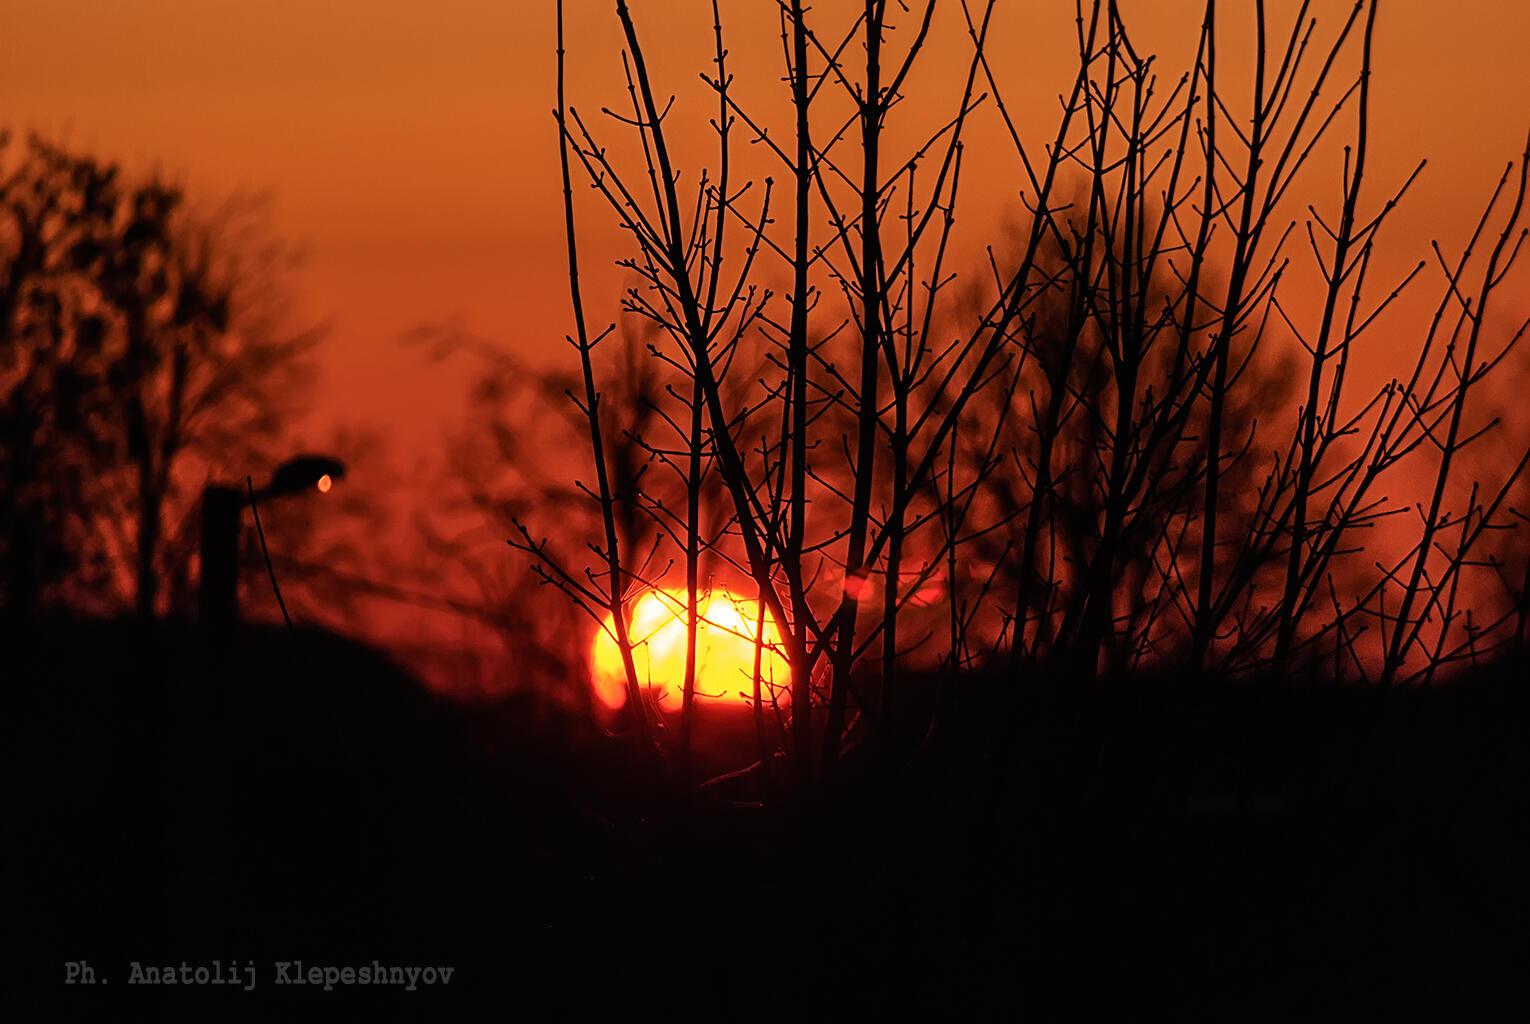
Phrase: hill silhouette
pixel 1208 849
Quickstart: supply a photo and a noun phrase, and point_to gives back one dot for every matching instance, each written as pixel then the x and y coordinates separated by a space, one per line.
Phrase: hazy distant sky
pixel 410 151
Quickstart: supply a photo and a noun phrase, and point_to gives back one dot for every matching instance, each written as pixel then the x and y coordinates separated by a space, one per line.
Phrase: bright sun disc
pixel 725 651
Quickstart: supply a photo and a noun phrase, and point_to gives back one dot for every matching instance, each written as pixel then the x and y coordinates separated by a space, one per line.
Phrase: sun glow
pixel 725 651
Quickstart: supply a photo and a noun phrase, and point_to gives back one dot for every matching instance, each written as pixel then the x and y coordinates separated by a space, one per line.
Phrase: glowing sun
pixel 725 651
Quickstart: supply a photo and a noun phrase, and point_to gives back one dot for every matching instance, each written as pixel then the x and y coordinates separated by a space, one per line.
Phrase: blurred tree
pixel 143 348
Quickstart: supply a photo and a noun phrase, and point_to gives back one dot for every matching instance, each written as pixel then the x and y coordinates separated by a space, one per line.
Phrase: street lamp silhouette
pixel 222 515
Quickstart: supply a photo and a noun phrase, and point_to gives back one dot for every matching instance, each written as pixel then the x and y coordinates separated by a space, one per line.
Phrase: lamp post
pixel 222 516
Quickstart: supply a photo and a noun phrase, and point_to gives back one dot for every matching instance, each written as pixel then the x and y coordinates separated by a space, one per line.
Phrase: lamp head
pixel 303 472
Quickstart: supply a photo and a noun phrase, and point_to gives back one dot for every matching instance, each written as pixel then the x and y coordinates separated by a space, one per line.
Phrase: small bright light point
pixel 725 651
pixel 325 483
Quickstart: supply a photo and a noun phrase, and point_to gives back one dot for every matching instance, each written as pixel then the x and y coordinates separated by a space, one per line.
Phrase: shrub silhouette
pixel 1101 457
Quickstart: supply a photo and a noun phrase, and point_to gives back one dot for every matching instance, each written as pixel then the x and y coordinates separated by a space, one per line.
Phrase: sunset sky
pixel 408 148
pixel 1006 522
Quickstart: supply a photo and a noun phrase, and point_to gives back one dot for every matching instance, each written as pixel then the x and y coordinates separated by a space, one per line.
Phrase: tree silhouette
pixel 1101 456
pixel 143 347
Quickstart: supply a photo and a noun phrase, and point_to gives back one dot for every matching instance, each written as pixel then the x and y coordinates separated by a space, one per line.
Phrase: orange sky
pixel 409 149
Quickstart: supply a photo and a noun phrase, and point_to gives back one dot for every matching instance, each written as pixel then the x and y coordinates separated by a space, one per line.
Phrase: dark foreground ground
pixel 1153 851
